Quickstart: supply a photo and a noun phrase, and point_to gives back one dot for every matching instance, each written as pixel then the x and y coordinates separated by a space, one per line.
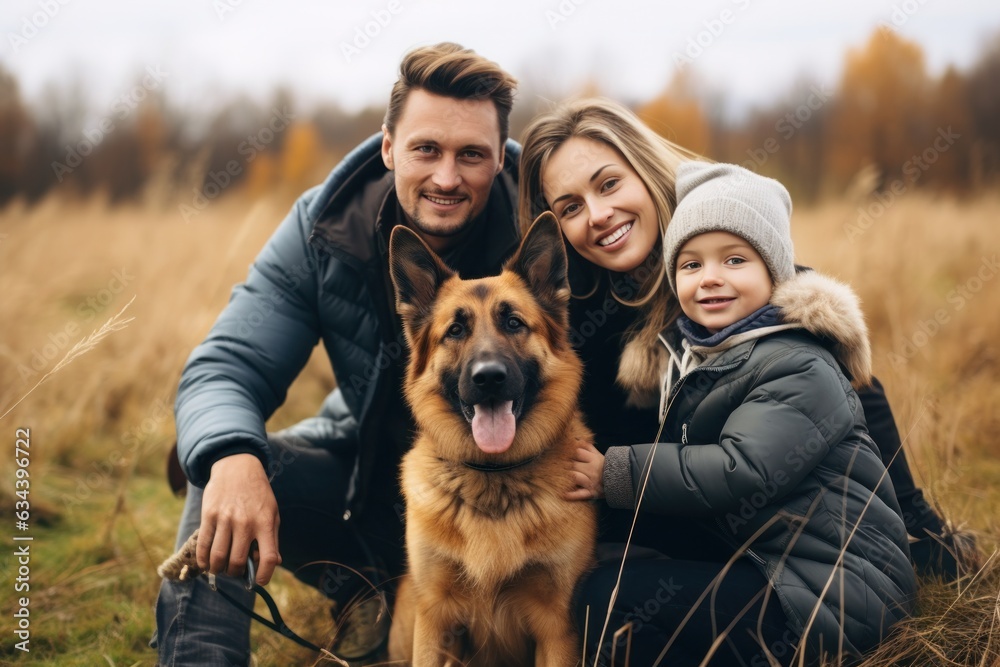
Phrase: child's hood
pixel 831 310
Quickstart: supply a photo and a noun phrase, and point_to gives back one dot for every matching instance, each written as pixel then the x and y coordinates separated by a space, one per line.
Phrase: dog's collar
pixel 499 467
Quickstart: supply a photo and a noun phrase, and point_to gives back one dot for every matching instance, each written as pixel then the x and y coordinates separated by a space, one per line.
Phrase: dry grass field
pixel 101 514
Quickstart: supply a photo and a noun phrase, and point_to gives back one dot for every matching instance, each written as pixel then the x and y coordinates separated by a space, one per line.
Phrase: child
pixel 765 440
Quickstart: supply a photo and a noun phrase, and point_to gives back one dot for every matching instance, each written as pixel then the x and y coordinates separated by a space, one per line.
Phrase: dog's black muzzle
pixel 490 378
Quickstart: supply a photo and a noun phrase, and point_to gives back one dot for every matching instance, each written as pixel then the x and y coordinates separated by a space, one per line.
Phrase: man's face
pixel 445 153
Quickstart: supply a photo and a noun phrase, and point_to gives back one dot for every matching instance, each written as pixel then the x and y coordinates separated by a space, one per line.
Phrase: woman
pixel 610 182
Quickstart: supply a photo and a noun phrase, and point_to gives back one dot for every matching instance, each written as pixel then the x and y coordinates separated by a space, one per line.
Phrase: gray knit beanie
pixel 728 198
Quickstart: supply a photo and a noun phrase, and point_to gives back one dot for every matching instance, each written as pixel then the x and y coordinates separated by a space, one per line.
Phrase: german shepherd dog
pixel 494 550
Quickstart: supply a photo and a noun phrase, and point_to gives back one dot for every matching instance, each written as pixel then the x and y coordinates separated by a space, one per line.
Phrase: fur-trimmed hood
pixel 826 308
pixel 830 310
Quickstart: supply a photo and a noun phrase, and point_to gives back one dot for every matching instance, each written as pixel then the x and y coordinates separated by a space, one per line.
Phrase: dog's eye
pixel 456 330
pixel 514 323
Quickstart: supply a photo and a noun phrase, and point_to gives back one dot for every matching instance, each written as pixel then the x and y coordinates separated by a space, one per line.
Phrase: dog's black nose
pixel 489 374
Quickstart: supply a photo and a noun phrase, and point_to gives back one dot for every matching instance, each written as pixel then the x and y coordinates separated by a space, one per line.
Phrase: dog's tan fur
pixel 493 556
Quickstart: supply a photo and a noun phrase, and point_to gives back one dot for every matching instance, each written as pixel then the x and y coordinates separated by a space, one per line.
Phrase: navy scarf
pixel 767 316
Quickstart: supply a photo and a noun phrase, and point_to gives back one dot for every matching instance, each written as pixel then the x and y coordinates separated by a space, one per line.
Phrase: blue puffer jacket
pixel 321 276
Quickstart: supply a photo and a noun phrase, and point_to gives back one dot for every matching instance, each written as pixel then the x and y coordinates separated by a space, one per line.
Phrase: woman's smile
pixel 603 207
pixel 616 238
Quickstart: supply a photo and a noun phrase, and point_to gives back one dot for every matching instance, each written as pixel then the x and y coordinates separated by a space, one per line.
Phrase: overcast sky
pixel 209 49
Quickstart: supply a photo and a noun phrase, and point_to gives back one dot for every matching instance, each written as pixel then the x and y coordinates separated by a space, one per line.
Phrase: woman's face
pixel 602 205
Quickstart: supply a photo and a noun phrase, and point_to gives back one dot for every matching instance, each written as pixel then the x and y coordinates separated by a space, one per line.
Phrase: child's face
pixel 721 279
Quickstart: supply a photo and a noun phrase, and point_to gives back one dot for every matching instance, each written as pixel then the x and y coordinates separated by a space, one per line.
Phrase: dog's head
pixel 491 371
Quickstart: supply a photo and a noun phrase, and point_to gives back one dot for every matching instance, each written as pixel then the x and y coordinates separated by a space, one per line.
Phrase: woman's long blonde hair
pixel 655 160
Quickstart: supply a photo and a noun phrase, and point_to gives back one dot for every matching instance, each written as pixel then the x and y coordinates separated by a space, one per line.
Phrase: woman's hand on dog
pixel 238 507
pixel 587 474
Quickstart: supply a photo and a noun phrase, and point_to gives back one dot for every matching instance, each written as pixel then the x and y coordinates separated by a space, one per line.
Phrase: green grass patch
pixel 93 575
pixel 93 581
pixel 99 538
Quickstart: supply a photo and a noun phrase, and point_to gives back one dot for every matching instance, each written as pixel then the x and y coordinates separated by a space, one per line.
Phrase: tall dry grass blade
pixel 843 531
pixel 627 631
pixel 972 580
pixel 223 284
pixel 81 348
pixel 628 541
pixel 772 660
pixel 800 650
pixel 840 557
pixel 721 637
pixel 993 618
pixel 713 585
pixel 326 655
pixel 947 634
pixel 765 592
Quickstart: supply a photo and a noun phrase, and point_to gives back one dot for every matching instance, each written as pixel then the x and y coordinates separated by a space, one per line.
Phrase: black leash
pixel 250 583
pixel 278 624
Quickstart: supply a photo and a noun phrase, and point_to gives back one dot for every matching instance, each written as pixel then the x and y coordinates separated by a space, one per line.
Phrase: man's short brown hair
pixel 451 70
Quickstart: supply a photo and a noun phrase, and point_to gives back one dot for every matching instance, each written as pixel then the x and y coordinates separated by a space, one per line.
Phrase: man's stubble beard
pixel 422 227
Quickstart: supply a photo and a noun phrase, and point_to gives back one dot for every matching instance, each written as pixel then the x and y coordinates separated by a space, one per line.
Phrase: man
pixel 326 489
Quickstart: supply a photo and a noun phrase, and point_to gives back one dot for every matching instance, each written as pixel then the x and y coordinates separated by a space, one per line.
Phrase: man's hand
pixel 587 474
pixel 237 508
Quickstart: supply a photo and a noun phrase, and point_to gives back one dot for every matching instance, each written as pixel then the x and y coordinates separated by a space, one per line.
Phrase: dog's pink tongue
pixel 493 426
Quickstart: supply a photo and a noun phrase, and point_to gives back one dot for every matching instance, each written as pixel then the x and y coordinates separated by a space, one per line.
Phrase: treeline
pixel 142 148
pixel 887 125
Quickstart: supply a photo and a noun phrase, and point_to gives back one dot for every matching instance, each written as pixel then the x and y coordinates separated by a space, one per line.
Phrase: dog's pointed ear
pixel 541 261
pixel 417 273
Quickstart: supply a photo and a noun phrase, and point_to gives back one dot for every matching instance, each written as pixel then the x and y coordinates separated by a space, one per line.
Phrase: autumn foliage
pixel 888 125
pixel 887 118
